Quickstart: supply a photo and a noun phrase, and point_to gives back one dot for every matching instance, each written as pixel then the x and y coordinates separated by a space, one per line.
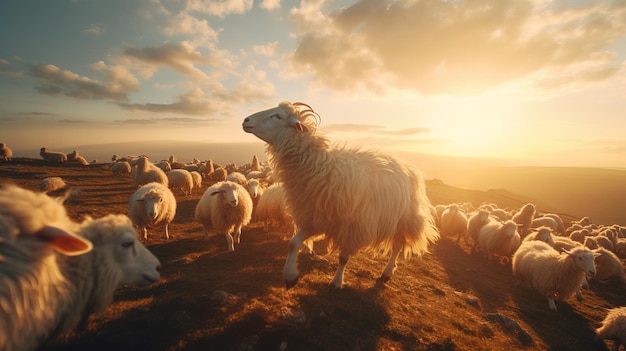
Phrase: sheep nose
pixel 246 120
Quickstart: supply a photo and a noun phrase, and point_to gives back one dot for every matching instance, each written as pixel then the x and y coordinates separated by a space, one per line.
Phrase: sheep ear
pixel 294 122
pixel 63 242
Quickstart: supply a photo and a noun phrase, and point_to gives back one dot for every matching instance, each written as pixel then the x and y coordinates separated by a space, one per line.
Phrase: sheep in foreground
pixel 34 295
pixel 614 327
pixel 51 184
pixel 552 274
pixel 180 180
pixel 454 223
pixel 608 267
pixel 6 154
pixel 227 207
pixel 51 156
pixel 499 238
pixel 357 198
pixel 146 172
pixel 121 168
pixel 152 205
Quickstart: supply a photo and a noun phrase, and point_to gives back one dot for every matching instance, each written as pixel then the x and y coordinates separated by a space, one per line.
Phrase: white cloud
pixel 220 8
pixel 270 4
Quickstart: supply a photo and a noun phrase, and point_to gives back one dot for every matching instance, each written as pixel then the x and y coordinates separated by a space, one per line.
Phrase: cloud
pixel 94 29
pixel 184 24
pixel 270 4
pixel 458 47
pixel 55 81
pixel 194 102
pixel 268 49
pixel 220 8
pixel 169 121
pixel 371 128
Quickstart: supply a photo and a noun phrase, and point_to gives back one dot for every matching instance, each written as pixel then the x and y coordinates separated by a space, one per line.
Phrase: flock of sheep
pixel 356 199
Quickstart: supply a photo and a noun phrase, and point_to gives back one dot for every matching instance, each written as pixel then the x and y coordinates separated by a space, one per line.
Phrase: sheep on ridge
pixel 50 156
pixel 614 327
pixel 227 207
pixel 474 224
pixel 146 172
pixel 121 168
pixel 499 238
pixel 453 223
pixel 524 218
pixel 272 208
pixel 180 180
pixel 552 274
pixel 152 205
pixel 357 198
pixel 6 153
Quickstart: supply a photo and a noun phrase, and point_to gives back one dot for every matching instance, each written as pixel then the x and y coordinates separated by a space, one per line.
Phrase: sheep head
pixel 270 125
pixel 229 192
pixel 584 259
pixel 152 204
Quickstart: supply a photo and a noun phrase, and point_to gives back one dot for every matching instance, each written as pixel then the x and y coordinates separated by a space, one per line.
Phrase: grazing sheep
pixel 152 205
pixel 475 223
pixel 524 218
pixel 272 208
pixel 50 156
pixel 608 267
pixel 357 198
pixel 542 234
pixel 51 184
pixel 227 207
pixel 121 168
pixel 146 172
pixel 180 180
pixel 614 327
pixel 82 160
pixel 499 238
pixel 238 178
pixel 6 154
pixel 197 179
pixel 453 223
pixel 552 274
pixel 544 222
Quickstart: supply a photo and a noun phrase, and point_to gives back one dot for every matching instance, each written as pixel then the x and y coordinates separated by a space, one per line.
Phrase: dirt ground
pixel 211 299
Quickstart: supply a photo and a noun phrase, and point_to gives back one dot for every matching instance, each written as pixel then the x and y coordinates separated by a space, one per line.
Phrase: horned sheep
pixel 152 205
pixel 52 156
pixel 552 274
pixel 614 327
pixel 330 190
pixel 227 207
pixel 57 272
pixel 6 154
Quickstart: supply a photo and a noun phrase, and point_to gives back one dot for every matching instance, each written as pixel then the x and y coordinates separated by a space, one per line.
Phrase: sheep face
pixel 509 229
pixel 152 204
pixel 230 194
pixel 270 124
pixel 545 235
pixel 253 188
pixel 584 260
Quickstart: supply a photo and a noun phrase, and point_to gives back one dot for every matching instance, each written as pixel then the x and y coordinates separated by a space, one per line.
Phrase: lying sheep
pixel 552 274
pixel 180 180
pixel 227 207
pixel 146 172
pixel 614 327
pixel 499 238
pixel 121 168
pixel 453 223
pixel 6 154
pixel 51 184
pixel 152 205
pixel 50 156
pixel 609 267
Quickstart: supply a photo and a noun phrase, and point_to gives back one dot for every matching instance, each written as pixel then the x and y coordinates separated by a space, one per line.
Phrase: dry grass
pixel 209 299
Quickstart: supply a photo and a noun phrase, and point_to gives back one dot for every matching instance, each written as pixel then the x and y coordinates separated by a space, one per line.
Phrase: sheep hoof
pixel 291 283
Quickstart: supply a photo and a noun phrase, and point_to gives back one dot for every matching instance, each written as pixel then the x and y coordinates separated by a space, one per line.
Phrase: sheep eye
pixel 276 116
pixel 128 244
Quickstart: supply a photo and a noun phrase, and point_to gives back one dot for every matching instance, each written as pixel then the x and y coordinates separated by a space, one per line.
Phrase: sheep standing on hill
pixel 357 198
pixel 50 156
pixel 180 180
pixel 499 238
pixel 476 221
pixel 554 275
pixel 197 179
pixel 609 267
pixel 524 218
pixel 614 327
pixel 146 172
pixel 453 223
pixel 6 154
pixel 542 234
pixel 227 207
pixel 121 168
pixel 152 205
pixel 255 189
pixel 272 208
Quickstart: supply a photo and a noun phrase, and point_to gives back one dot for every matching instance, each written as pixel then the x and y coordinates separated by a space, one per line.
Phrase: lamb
pixel 227 207
pixel 454 222
pixel 524 218
pixel 475 223
pixel 357 198
pixel 608 266
pixel 121 168
pixel 614 327
pixel 50 156
pixel 238 178
pixel 552 274
pixel 180 180
pixel 6 154
pixel 543 234
pixel 51 184
pixel 272 208
pixel 152 205
pixel 499 238
pixel 146 172
pixel 43 291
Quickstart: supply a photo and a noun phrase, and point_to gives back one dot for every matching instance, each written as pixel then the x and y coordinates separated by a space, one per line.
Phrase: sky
pixel 538 81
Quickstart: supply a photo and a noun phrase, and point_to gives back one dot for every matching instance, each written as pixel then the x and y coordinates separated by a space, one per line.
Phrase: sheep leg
pixel 337 281
pixel 144 233
pixel 291 265
pixel 551 304
pixel 205 231
pixel 230 242
pixel 391 266
pixel 166 234
pixel 238 234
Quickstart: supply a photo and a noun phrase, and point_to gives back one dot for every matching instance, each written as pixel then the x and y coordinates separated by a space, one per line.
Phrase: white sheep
pixel 121 168
pixel 552 274
pixel 73 155
pixel 524 218
pixel 272 208
pixel 152 205
pixel 51 156
pixel 357 198
pixel 238 178
pixel 256 190
pixel 227 207
pixel 620 247
pixel 475 223
pixel 453 223
pixel 609 267
pixel 146 172
pixel 43 294
pixel 544 222
pixel 197 179
pixel 6 154
pixel 501 214
pixel 614 327
pixel 542 234
pixel 560 227
pixel 499 238
pixel 50 184
pixel 180 180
